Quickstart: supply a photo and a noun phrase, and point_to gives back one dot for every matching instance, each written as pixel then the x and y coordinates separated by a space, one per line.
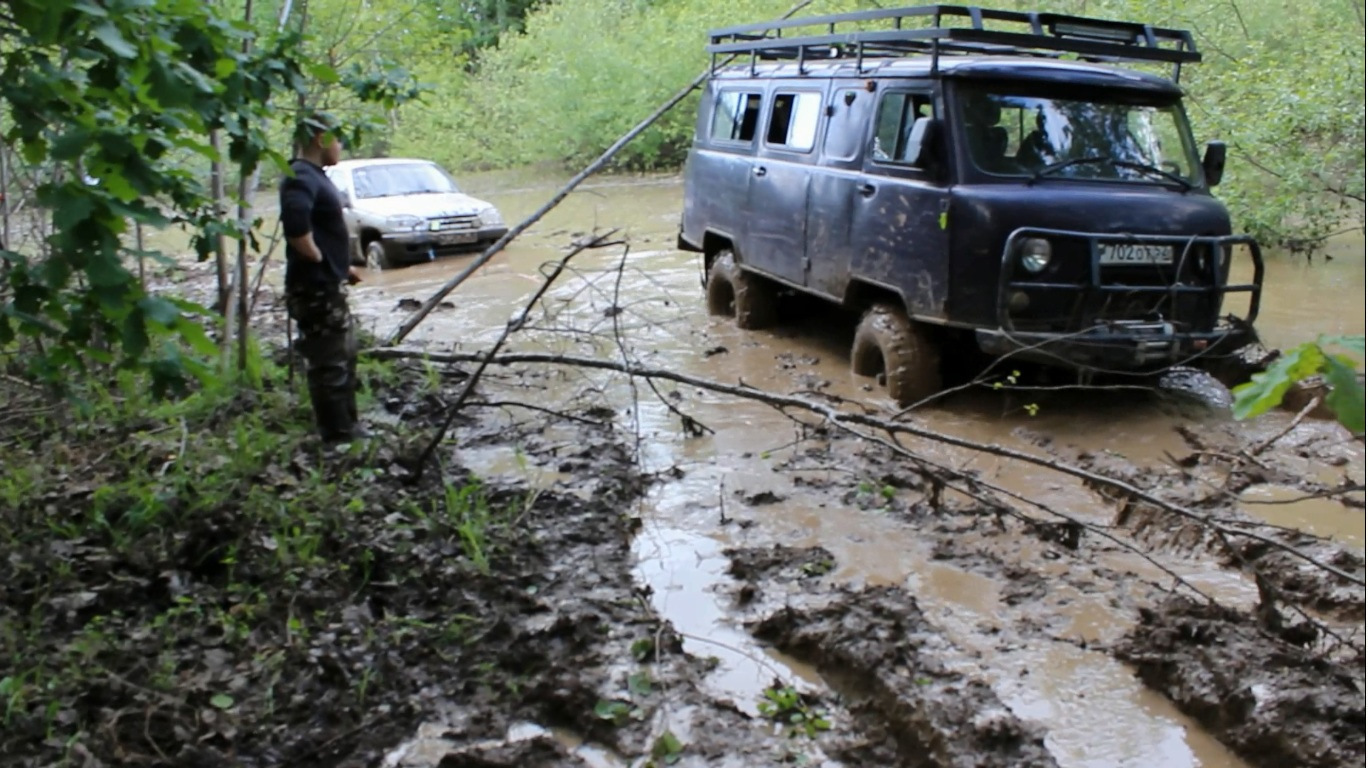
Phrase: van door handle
pixel 865 189
pixel 759 170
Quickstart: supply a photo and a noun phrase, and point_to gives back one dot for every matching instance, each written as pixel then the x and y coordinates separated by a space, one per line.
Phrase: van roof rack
pixel 922 30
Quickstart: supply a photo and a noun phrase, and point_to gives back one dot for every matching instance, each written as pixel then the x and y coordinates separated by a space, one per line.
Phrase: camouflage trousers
pixel 327 341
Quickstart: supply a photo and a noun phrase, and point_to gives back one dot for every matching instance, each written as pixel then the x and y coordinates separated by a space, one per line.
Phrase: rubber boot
pixel 333 416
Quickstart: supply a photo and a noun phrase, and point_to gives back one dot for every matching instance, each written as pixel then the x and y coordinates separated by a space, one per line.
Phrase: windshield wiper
pixel 1141 167
pixel 1091 159
pixel 1056 167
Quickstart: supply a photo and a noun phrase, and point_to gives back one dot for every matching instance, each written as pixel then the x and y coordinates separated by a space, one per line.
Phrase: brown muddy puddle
pixel 1095 711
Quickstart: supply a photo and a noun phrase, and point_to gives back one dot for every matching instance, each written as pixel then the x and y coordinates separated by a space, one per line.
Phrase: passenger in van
pixel 987 139
pixel 1036 151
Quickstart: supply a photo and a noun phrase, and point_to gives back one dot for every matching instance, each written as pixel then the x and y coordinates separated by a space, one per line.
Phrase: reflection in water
pixel 1096 713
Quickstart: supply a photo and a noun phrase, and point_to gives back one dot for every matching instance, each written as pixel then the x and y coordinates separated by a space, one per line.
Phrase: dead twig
pixel 1296 422
pixel 485 359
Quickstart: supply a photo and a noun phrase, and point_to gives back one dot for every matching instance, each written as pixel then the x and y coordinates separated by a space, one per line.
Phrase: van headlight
pixel 403 223
pixel 1035 255
pixel 490 217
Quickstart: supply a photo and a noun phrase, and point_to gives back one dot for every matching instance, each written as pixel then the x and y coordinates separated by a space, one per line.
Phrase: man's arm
pixel 296 213
pixel 305 246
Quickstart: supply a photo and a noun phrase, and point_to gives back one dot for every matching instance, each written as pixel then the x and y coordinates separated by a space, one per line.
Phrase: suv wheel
pixel 887 343
pixel 749 298
pixel 375 256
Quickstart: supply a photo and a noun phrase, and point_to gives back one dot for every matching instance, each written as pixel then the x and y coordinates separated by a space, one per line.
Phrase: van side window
pixel 793 120
pixel 898 112
pixel 735 115
pixel 845 130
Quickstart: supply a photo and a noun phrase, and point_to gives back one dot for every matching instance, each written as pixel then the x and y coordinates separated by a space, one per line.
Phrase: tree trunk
pixel 220 211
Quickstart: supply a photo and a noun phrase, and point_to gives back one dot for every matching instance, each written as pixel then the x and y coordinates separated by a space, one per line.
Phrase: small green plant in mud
pixel 784 704
pixel 667 749
pixel 467 512
pixel 818 567
pixel 872 495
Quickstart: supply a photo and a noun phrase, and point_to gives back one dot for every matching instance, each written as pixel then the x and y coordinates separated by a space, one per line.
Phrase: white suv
pixel 401 211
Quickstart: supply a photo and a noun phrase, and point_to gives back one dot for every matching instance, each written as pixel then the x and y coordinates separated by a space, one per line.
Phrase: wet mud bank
pixel 1274 703
pixel 890 664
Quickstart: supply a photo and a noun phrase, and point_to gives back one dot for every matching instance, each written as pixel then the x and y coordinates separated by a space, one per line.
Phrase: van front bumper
pixel 1119 346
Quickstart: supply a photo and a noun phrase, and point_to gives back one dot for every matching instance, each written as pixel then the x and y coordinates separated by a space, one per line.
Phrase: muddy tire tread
pixel 909 357
pixel 731 291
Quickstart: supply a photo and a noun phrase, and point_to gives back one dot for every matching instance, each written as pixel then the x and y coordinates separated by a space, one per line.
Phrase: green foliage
pixel 108 100
pixel 1282 83
pixel 1265 390
pixel 784 704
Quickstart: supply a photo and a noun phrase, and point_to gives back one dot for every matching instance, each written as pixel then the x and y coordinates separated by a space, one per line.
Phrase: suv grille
pixel 454 224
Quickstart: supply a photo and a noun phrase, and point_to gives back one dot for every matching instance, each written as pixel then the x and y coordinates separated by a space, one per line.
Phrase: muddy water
pixel 1095 711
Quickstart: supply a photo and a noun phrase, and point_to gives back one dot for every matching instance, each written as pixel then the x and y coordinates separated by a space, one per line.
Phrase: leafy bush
pixel 1281 83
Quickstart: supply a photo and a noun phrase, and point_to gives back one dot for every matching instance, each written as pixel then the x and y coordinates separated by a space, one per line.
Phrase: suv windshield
pixel 403 179
pixel 1012 134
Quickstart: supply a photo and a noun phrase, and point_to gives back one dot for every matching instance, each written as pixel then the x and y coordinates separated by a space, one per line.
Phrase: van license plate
pixel 1130 253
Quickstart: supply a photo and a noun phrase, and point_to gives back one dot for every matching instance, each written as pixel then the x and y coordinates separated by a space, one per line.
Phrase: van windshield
pixel 1011 134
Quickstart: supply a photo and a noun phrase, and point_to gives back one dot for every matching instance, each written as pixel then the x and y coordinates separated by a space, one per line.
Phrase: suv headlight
pixel 1035 255
pixel 403 223
pixel 490 217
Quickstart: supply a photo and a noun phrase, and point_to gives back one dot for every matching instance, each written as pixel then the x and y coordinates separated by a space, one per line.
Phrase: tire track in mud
pixel 1252 685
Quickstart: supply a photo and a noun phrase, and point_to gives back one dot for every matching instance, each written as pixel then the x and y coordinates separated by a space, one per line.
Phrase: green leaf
pixel 1264 391
pixel 222 701
pixel 639 683
pixel 1353 343
pixel 614 711
pixel 159 310
pixel 1346 393
pixel 114 40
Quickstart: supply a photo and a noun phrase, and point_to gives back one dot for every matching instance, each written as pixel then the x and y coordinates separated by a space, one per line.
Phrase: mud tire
pixel 887 342
pixel 376 258
pixel 749 298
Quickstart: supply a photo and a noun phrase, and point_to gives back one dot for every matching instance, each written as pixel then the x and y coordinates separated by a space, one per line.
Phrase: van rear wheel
pixel 749 298
pixel 889 343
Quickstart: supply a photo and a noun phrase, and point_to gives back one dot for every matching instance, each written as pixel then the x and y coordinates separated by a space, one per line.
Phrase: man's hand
pixel 305 246
pixel 353 276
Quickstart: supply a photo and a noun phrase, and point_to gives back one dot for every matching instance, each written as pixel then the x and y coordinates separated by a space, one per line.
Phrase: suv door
pixel 776 241
pixel 900 235
pixel 717 175
pixel 835 191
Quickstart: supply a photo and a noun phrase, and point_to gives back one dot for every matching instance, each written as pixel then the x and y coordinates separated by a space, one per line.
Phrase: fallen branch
pixel 843 418
pixel 513 324
pixel 1296 421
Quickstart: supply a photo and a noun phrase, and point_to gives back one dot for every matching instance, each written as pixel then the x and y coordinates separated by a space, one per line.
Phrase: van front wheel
pixel 888 343
pixel 749 298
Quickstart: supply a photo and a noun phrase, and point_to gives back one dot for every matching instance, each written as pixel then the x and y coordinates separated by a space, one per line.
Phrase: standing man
pixel 317 271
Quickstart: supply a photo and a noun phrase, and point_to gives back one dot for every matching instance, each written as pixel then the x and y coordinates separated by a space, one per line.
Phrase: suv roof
pixel 367 162
pixel 984 67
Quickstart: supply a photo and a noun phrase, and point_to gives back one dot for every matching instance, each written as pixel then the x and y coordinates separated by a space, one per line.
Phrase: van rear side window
pixel 793 120
pixel 897 114
pixel 735 115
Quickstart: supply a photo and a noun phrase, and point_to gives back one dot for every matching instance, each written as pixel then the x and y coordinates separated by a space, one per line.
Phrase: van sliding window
pixel 898 112
pixel 735 115
pixel 793 120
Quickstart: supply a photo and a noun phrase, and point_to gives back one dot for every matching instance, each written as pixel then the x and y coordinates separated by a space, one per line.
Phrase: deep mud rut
pixel 1065 643
pixel 671 576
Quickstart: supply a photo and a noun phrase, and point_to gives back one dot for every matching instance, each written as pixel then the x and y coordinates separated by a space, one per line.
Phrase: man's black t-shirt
pixel 309 202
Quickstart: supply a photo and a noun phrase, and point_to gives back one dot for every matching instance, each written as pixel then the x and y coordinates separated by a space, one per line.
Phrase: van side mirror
pixel 1213 162
pixel 923 145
